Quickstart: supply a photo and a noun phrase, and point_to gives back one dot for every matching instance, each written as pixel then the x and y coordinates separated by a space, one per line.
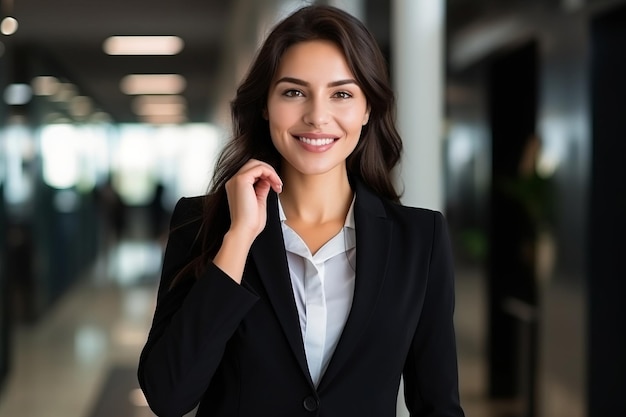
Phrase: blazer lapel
pixel 373 235
pixel 268 252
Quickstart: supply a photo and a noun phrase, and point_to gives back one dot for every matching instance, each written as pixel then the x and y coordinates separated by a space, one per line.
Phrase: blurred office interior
pixel 527 129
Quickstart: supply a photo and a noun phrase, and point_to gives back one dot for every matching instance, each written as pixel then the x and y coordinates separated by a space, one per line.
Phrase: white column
pixel 417 51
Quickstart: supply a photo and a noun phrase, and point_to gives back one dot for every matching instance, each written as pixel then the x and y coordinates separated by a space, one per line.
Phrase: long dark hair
pixel 379 147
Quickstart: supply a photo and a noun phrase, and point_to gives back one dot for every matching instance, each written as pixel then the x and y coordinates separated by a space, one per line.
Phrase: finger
pixel 254 170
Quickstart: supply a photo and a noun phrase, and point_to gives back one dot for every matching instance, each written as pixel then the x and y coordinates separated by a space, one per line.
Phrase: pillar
pixel 417 75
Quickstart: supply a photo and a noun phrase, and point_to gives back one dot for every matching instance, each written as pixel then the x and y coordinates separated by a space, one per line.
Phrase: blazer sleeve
pixel 431 373
pixel 192 324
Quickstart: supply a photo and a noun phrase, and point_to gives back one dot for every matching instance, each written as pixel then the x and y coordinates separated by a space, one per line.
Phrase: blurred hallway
pixel 63 364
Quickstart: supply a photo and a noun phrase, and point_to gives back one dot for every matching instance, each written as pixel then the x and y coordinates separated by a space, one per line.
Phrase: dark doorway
pixel 607 222
pixel 513 299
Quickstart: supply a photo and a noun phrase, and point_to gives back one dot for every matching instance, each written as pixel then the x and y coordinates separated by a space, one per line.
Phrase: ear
pixel 366 116
pixel 265 114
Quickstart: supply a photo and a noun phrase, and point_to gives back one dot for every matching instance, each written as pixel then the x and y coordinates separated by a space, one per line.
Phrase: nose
pixel 317 113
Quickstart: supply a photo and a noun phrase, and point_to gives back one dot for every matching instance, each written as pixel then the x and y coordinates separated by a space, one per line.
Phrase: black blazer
pixel 237 350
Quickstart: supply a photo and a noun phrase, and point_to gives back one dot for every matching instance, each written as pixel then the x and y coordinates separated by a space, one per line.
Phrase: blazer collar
pixel 270 257
pixel 373 234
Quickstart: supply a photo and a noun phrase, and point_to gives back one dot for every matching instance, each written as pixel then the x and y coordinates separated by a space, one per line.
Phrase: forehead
pixel 318 59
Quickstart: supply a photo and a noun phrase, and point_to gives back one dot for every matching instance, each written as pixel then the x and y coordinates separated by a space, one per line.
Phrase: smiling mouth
pixel 316 142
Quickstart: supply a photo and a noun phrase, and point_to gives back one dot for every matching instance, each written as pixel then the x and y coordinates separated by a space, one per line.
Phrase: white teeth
pixel 317 142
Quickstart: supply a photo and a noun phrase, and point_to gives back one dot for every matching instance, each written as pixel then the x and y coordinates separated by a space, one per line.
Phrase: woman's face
pixel 315 108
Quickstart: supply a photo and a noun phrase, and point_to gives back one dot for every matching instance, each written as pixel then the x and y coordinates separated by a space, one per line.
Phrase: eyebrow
pixel 306 84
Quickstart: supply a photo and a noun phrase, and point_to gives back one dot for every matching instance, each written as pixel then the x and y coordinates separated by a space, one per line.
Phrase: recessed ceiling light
pixel 157 109
pixel 80 106
pixel 45 85
pixel 159 105
pixel 164 119
pixel 8 26
pixel 143 45
pixel 17 94
pixel 136 84
pixel 159 99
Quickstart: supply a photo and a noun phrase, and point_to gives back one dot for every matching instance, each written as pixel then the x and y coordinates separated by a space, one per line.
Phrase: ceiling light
pixel 80 106
pixel 45 85
pixel 159 105
pixel 159 99
pixel 8 26
pixel 160 109
pixel 17 94
pixel 143 45
pixel 136 84
pixel 164 119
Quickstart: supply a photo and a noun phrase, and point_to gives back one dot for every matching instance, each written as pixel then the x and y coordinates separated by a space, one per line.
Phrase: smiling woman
pixel 299 284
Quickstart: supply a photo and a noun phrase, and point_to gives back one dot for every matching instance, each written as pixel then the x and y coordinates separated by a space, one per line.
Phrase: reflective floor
pixel 80 360
pixel 61 365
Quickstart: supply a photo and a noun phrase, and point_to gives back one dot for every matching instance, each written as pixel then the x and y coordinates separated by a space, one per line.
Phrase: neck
pixel 316 199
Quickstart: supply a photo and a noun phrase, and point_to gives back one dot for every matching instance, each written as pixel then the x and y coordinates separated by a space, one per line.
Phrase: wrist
pixel 232 255
pixel 238 239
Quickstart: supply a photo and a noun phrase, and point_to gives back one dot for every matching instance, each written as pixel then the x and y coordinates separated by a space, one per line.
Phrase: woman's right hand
pixel 247 194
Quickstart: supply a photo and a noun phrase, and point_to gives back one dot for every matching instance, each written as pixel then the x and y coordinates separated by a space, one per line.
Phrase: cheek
pixel 278 128
pixel 355 118
pixel 281 117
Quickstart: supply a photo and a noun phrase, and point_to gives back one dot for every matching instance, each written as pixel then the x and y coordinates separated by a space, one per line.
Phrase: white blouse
pixel 323 287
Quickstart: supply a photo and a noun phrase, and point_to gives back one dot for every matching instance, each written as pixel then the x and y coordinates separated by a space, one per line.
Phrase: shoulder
pixel 375 205
pixel 185 223
pixel 418 214
pixel 189 221
pixel 187 209
pixel 415 219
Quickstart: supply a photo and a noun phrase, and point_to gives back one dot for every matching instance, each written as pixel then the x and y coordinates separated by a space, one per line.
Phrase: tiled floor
pixel 85 351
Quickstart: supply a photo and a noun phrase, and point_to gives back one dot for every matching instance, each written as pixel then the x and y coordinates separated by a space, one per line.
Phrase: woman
pixel 299 285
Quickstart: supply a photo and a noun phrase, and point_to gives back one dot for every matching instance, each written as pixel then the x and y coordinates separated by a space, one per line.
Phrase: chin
pixel 316 168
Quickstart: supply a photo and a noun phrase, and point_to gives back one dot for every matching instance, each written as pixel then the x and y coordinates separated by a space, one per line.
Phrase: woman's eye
pixel 293 93
pixel 342 94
